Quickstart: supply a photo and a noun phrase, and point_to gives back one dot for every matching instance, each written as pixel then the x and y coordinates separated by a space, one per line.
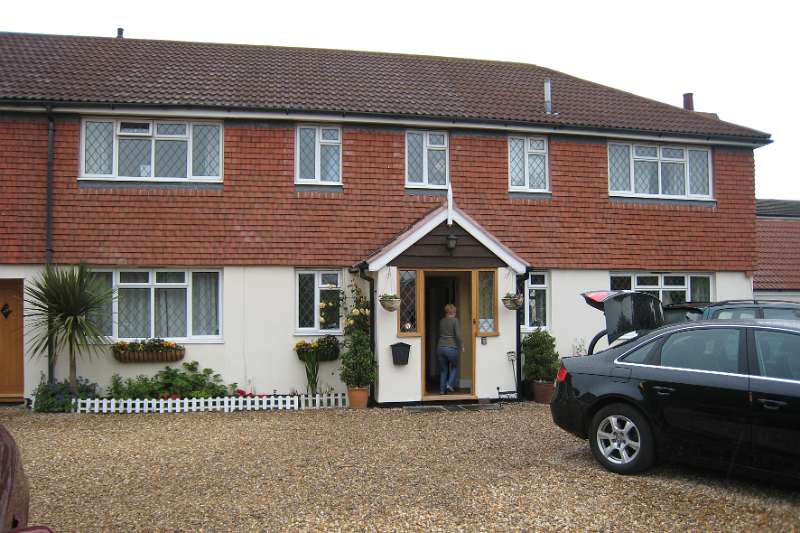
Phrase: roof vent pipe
pixel 548 96
pixel 688 101
pixel 120 31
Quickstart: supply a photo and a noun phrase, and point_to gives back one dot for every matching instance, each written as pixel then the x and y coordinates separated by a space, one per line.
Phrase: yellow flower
pixel 322 320
pixel 322 305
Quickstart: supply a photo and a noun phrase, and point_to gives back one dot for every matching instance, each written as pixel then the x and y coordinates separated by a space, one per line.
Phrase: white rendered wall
pixel 572 321
pixel 786 296
pixel 257 350
pixel 732 286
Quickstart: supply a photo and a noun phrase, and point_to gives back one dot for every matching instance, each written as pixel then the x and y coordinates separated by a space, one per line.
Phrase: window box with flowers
pixel 148 351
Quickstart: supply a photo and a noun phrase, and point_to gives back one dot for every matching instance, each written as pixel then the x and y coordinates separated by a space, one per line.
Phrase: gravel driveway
pixel 380 469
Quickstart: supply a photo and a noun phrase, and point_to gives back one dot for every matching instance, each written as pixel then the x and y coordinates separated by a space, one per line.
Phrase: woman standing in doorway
pixel 449 349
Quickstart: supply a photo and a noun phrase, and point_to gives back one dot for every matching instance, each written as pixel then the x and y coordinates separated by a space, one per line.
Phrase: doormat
pixel 452 408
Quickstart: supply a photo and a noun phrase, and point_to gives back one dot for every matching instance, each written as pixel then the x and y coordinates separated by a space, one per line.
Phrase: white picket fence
pixel 225 404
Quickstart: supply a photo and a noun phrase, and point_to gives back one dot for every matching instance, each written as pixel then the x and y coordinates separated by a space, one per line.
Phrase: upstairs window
pixel 427 159
pixel 133 149
pixel 659 171
pixel 527 164
pixel 319 155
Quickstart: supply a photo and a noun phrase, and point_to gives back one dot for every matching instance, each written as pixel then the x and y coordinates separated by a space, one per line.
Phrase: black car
pixel 724 393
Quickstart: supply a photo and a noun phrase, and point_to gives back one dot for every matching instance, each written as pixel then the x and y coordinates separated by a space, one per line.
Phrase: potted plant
pixel 513 301
pixel 148 351
pixel 390 302
pixel 358 369
pixel 541 364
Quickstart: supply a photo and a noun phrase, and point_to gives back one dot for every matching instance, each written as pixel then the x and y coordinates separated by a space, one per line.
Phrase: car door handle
pixel 663 391
pixel 772 405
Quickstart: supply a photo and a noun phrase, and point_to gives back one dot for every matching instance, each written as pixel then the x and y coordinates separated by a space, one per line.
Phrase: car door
pixel 697 388
pixel 775 392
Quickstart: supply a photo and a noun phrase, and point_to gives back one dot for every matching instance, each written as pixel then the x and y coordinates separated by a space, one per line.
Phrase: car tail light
pixel 561 377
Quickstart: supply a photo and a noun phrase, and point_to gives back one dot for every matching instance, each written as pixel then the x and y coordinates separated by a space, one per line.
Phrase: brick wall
pixel 259 217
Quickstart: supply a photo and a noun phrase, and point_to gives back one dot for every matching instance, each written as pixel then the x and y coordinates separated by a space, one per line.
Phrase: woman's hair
pixel 449 308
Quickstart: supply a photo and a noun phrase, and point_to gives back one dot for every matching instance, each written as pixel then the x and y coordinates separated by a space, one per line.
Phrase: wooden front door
pixel 11 329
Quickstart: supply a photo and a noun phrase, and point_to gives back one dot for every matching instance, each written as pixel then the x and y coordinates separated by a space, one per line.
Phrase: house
pixel 226 191
pixel 778 243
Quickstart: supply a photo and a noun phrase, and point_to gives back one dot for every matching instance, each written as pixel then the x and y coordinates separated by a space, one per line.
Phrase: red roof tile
pixel 69 69
pixel 778 245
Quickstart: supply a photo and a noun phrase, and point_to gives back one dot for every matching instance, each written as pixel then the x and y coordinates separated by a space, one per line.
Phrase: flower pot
pixel 542 391
pixel 391 304
pixel 513 303
pixel 156 356
pixel 400 351
pixel 357 397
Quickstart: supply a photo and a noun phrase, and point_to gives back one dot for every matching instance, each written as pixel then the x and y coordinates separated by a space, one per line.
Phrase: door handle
pixel 772 405
pixel 663 391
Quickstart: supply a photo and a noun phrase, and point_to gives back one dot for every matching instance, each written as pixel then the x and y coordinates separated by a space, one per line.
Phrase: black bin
pixel 400 351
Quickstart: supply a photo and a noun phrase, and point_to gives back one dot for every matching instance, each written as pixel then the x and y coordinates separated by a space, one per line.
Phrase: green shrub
pixel 57 397
pixel 185 382
pixel 541 358
pixel 358 362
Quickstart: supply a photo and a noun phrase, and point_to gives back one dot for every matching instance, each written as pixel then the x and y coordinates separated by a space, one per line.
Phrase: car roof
pixel 792 325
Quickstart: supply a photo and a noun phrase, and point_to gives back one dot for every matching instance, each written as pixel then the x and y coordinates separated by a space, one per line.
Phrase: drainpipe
pixel 362 268
pixel 48 250
pixel 520 320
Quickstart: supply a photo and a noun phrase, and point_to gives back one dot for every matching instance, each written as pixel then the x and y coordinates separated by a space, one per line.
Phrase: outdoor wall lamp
pixel 452 240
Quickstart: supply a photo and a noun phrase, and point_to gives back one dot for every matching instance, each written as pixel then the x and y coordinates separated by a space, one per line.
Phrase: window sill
pixel 318 187
pixel 519 194
pixel 318 333
pixel 667 200
pixel 426 191
pixel 148 183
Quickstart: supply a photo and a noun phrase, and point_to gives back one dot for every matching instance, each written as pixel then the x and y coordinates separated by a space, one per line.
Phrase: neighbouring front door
pixel 11 329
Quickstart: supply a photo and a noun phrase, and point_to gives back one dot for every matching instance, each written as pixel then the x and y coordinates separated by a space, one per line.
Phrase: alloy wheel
pixel 618 439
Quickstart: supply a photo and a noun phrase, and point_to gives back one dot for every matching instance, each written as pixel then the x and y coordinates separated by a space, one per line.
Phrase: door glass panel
pixel 408 301
pixel 486 298
pixel 704 349
pixel 778 354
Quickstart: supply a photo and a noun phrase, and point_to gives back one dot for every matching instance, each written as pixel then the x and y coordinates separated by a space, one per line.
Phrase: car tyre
pixel 621 439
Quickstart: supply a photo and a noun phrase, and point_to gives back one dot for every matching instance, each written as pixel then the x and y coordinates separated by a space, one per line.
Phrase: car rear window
pixel 736 312
pixel 779 313
pixel 714 350
pixel 778 354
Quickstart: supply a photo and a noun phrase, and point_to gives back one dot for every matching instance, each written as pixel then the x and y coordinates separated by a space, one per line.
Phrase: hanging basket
pixel 145 356
pixel 514 303
pixel 391 304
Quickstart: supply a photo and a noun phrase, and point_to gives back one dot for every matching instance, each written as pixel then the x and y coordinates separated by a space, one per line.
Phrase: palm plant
pixel 63 306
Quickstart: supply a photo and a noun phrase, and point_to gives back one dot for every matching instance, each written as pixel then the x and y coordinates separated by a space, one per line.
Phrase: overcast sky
pixel 739 58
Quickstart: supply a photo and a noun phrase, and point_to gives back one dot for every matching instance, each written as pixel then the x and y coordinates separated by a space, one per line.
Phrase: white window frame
pixel 658 159
pixel 661 286
pixel 152 285
pixel 526 327
pixel 318 143
pixel 153 136
pixel 316 330
pixel 426 146
pixel 528 152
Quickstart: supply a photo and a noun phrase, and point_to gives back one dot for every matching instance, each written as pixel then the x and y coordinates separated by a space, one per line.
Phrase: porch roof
pixel 425 225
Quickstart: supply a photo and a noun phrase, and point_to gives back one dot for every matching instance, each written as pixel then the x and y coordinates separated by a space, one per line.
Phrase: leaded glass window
pixel 318 302
pixel 670 171
pixel 426 159
pixel 527 163
pixel 147 150
pixel 103 319
pixel 408 301
pixel 319 155
pixel 173 304
pixel 670 288
pixel 487 308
